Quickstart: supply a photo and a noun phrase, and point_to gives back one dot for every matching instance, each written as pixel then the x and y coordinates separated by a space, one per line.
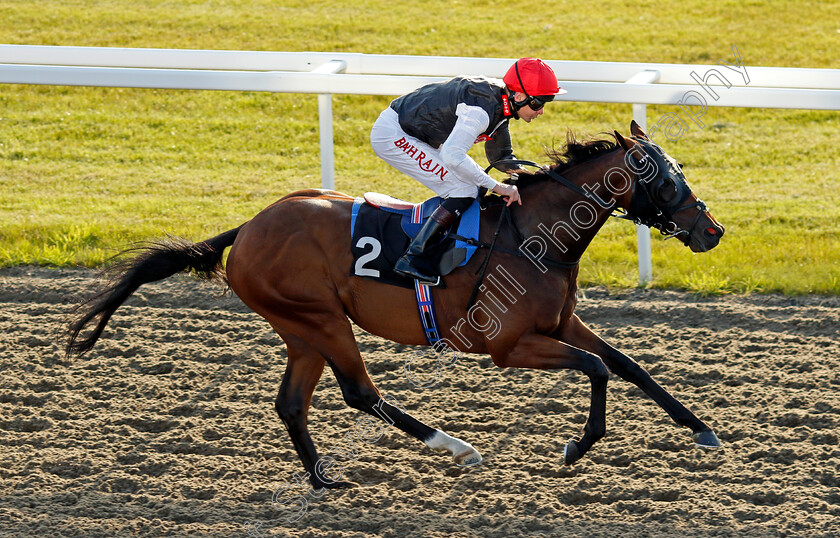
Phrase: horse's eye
pixel 667 191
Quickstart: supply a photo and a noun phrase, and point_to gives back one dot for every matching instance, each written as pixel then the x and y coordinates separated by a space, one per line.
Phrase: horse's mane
pixel 573 153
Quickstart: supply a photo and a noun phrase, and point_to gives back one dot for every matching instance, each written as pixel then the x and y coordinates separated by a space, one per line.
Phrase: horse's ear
pixel 635 130
pixel 623 141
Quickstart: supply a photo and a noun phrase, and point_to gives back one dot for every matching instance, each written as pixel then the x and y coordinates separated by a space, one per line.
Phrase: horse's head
pixel 661 197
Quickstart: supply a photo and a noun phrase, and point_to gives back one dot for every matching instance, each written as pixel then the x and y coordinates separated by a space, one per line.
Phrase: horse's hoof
pixel 468 458
pixel 706 439
pixel 572 452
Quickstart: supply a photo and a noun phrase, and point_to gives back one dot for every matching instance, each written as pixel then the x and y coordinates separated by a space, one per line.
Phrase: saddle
pixel 381 228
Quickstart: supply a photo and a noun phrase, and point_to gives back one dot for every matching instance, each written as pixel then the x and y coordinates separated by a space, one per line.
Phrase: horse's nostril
pixel 711 231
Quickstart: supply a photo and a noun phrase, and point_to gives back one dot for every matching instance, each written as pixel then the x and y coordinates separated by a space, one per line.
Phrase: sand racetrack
pixel 168 427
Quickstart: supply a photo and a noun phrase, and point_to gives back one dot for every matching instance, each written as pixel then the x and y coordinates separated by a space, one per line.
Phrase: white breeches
pixel 415 159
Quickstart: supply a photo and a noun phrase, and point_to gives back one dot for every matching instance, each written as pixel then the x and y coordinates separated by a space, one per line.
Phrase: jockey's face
pixel 526 113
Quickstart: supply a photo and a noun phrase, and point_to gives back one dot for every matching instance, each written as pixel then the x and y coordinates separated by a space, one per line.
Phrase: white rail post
pixel 325 125
pixel 643 232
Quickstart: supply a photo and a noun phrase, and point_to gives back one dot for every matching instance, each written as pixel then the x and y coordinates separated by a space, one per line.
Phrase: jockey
pixel 427 133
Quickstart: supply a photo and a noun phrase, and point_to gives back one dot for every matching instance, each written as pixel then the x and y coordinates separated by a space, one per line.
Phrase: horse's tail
pixel 155 261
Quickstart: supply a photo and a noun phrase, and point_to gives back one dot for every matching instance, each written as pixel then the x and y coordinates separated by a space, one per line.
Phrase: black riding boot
pixel 439 222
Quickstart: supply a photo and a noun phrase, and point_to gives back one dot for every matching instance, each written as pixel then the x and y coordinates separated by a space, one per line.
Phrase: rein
pixel 551 173
pixel 505 215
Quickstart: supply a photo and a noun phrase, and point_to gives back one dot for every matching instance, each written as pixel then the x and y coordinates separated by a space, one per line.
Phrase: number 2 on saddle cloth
pixel 380 234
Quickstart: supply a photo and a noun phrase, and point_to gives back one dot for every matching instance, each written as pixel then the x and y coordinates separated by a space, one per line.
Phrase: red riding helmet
pixel 533 77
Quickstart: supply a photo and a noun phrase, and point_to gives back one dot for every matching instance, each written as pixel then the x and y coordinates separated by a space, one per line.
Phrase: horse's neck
pixel 565 219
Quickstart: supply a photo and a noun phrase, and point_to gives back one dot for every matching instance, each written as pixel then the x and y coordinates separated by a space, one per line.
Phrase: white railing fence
pixel 691 87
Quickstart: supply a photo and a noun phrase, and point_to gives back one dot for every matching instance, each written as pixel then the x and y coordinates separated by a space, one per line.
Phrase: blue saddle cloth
pixel 380 235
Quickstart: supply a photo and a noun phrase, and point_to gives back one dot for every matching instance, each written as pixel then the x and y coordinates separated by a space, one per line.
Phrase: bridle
pixel 661 196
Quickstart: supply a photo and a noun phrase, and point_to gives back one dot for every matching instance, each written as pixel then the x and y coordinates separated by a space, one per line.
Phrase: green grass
pixel 86 171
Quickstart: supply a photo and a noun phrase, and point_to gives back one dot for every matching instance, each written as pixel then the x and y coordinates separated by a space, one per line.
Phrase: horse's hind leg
pixel 576 333
pixel 360 393
pixel 304 369
pixel 336 343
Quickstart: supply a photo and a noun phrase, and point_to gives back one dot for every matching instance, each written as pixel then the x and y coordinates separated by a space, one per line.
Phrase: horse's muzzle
pixel 705 239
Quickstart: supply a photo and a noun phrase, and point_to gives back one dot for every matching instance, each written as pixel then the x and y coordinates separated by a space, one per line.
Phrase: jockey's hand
pixel 509 192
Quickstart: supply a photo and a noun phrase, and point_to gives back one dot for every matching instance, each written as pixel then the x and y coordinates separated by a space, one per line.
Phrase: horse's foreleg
pixel 304 369
pixel 576 333
pixel 544 353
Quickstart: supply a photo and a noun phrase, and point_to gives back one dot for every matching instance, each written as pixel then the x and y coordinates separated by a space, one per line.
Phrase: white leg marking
pixel 463 453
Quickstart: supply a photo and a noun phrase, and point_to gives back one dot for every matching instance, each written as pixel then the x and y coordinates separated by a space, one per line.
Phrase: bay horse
pixel 290 264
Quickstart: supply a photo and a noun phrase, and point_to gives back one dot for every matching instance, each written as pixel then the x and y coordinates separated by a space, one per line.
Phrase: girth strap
pixel 426 309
